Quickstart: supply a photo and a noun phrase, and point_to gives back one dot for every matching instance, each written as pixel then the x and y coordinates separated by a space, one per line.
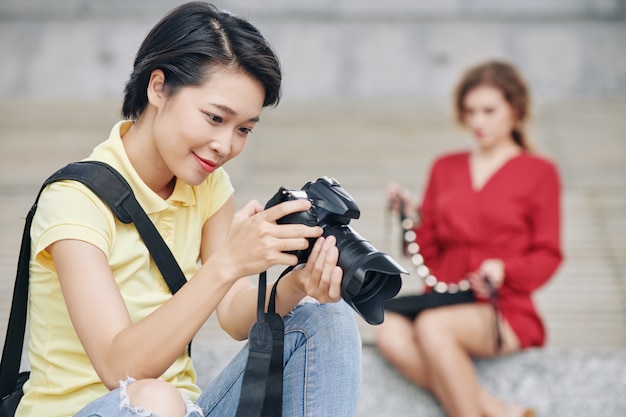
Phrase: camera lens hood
pixel 368 283
pixel 369 277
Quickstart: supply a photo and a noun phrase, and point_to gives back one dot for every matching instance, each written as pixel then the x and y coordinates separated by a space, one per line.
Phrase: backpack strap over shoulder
pixel 112 188
pixel 100 178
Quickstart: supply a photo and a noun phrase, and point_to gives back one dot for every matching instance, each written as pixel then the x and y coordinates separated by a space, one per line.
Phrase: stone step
pixel 555 382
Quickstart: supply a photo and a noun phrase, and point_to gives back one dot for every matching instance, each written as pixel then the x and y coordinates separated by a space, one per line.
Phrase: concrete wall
pixel 331 49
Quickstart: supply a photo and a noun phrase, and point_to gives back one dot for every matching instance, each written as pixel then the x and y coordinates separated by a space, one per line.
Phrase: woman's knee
pixel 393 333
pixel 155 396
pixel 431 332
pixel 325 320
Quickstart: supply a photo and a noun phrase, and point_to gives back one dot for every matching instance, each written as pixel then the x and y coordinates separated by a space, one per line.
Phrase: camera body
pixel 331 206
pixel 369 277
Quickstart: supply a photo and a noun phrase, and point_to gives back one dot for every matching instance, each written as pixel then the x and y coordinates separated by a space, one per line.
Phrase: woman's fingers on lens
pixel 335 284
pixel 326 261
pixel 324 277
pixel 325 274
pixel 314 255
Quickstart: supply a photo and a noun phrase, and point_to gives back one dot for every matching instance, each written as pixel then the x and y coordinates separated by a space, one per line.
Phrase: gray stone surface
pixel 347 49
pixel 555 382
pixel 562 382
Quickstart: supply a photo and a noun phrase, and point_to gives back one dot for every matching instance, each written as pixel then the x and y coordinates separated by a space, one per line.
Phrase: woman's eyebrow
pixel 232 112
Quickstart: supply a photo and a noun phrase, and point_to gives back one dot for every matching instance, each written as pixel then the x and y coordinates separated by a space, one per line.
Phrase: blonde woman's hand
pixel 399 198
pixel 492 269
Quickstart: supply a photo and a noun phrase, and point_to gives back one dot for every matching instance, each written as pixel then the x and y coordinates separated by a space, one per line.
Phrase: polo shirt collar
pixel 112 152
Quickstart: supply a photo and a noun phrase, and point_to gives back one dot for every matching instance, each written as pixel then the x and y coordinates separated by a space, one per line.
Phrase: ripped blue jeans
pixel 322 371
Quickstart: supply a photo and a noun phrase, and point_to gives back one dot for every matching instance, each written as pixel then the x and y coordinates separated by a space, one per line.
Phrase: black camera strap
pixel 262 387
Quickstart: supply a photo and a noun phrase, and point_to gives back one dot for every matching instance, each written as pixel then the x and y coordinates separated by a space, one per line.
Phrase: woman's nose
pixel 221 143
pixel 476 120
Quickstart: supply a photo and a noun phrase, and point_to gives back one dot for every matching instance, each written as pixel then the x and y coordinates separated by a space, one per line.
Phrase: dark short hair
pixel 192 40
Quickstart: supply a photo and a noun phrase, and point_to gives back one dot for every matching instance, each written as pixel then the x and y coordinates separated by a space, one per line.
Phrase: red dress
pixel 515 217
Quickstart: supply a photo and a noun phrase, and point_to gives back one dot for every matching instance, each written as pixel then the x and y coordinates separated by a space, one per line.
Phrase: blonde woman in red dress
pixel 489 213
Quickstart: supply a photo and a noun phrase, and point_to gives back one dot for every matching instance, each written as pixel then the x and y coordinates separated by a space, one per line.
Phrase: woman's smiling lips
pixel 205 164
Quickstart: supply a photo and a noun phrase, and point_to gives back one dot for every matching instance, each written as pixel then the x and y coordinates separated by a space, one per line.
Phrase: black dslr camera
pixel 369 277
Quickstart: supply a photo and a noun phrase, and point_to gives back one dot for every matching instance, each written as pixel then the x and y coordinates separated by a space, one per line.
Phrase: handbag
pixel 113 189
pixel 412 305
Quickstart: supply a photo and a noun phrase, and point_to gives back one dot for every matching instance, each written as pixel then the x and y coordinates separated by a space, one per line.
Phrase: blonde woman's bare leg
pixel 395 339
pixel 448 338
pixel 492 405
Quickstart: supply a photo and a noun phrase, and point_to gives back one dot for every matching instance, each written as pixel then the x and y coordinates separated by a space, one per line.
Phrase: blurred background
pixel 331 49
pixel 367 92
pixel 367 89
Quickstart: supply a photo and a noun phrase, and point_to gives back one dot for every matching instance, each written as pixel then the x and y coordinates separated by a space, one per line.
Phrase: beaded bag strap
pixel 412 248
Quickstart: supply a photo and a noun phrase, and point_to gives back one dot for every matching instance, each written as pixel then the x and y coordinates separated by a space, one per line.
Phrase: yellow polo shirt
pixel 62 379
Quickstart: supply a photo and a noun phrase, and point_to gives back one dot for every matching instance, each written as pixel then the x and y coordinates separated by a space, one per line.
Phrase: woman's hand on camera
pixel 255 242
pixel 320 277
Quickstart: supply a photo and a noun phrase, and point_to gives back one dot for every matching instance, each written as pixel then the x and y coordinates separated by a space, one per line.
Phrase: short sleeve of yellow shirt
pixel 91 220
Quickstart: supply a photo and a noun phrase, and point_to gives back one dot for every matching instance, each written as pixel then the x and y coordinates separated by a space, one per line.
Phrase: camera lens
pixel 372 284
pixel 369 277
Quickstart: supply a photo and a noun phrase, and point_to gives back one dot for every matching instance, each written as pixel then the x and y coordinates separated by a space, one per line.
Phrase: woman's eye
pixel 214 118
pixel 245 130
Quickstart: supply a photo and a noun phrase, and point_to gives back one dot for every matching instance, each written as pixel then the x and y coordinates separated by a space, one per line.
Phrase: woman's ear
pixel 156 88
